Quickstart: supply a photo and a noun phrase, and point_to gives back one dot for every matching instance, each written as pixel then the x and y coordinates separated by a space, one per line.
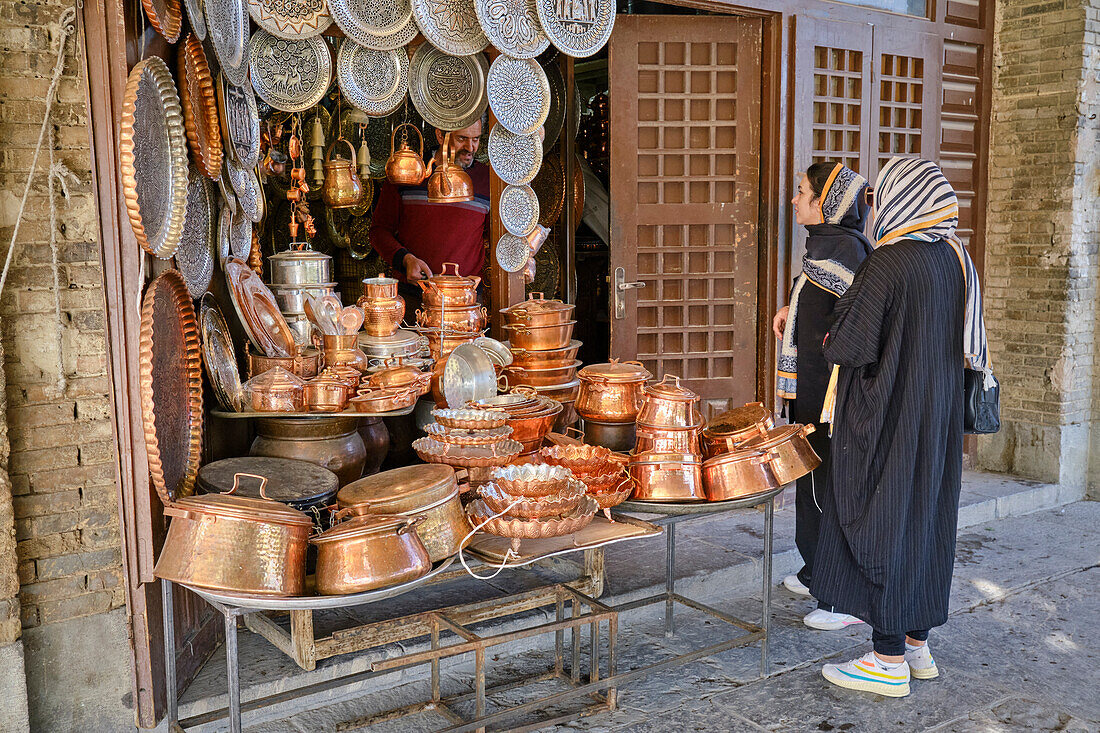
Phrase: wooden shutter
pixel 961 156
pixel 906 97
pixel 685 128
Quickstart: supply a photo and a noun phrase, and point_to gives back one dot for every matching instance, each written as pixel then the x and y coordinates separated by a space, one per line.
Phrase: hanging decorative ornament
pixel 512 26
pixel 519 94
pixel 363 155
pixel 450 25
pixel 578 29
pixel 289 75
pixel 317 151
pixel 515 158
pixel 291 19
pixel 519 210
pixel 374 81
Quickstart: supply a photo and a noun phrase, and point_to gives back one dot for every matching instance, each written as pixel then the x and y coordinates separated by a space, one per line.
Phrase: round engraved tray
pixel 524 507
pixel 469 419
pixel 576 520
pixel 463 436
pixel 431 450
pixel 200 107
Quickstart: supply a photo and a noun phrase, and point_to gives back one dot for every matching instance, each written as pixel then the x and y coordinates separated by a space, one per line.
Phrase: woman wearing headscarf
pixel 901 338
pixel 830 203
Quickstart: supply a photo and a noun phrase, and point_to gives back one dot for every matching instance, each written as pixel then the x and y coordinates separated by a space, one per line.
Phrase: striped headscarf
pixel 913 200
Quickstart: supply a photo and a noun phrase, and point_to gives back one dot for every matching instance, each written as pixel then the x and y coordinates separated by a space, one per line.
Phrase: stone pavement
pixel 1014 656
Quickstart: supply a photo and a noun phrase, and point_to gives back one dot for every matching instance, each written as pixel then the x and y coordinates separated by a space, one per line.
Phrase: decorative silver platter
pixel 372 17
pixel 218 356
pixel 227 23
pixel 240 236
pixel 225 233
pixel 153 157
pixel 240 120
pixel 512 253
pixel 512 26
pixel 448 91
pixel 198 20
pixel 246 185
pixel 379 41
pixel 518 93
pixel 515 158
pixel 291 18
pixel 374 81
pixel 556 118
pixel 578 29
pixel 450 25
pixel 197 249
pixel 519 210
pixel 289 75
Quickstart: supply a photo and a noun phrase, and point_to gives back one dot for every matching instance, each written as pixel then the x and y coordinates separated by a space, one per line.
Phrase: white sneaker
pixel 824 620
pixel 921 664
pixel 868 675
pixel 796 586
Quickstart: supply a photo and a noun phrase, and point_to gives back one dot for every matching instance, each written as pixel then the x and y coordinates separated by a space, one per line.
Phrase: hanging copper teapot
pixel 342 188
pixel 449 184
pixel 406 166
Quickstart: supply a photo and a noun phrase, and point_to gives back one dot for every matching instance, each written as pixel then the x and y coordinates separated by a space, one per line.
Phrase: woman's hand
pixel 780 321
pixel 416 268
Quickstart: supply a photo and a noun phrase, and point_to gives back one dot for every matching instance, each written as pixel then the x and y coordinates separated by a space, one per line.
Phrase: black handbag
pixel 981 406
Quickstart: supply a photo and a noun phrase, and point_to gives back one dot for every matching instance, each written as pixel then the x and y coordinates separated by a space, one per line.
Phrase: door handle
pixel 620 287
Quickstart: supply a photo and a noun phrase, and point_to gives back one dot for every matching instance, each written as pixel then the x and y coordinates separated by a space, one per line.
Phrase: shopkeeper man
pixel 417 236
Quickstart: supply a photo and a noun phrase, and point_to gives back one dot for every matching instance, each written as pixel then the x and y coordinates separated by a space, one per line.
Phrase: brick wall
pixel 1041 250
pixel 62 472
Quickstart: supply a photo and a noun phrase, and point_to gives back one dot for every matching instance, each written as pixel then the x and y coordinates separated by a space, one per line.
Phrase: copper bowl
pixel 555 504
pixel 582 460
pixel 561 392
pixel 530 430
pixel 541 338
pixel 669 477
pixel 546 358
pixel 532 479
pixel 550 376
pixel 738 474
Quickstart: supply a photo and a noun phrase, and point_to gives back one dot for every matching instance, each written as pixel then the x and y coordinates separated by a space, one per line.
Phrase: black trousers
pixel 893 645
pixel 808 499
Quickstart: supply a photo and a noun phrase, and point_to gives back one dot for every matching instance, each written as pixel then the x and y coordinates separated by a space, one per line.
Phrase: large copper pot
pixel 612 392
pixel 726 432
pixel 426 491
pixel 666 440
pixel 462 318
pixel 333 443
pixel 538 311
pixel 236 543
pixel 666 477
pixel 738 474
pixel 363 553
pixel 540 338
pixel 670 405
pixel 791 453
pixel 449 289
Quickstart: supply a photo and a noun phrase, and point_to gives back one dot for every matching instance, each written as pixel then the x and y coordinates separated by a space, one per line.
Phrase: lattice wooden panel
pixel 901 106
pixel 838 105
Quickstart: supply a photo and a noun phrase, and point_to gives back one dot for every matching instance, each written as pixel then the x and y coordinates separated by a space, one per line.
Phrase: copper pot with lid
pixel 538 311
pixel 738 474
pixel 367 552
pixel 792 455
pixel 540 338
pixel 727 431
pixel 462 318
pixel 611 392
pixel 449 289
pixel 670 405
pixel 236 543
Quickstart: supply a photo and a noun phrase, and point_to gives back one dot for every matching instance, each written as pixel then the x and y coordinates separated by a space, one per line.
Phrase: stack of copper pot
pixel 468 438
pixel 544 353
pixel 530 415
pixel 296 274
pixel 451 314
pixel 667 461
pixel 609 400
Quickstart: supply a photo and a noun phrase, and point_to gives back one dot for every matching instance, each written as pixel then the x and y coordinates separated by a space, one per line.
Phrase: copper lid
pixel 738 419
pixel 534 306
pixel 735 456
pixel 359 526
pixel 244 507
pixel 406 489
pixel 288 481
pixel 615 371
pixel 772 438
pixel 455 281
pixel 276 381
pixel 300 255
pixel 667 391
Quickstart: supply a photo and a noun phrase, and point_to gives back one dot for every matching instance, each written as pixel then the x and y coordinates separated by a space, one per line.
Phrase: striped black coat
pixel 887 542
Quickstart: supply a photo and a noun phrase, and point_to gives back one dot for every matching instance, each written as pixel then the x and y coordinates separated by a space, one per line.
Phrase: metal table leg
pixel 766 589
pixel 232 670
pixel 670 576
pixel 170 653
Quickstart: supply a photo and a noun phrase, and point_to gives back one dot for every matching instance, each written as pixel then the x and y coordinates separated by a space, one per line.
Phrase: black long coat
pixel 887 542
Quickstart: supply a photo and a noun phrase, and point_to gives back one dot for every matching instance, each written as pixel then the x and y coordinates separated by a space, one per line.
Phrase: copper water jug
pixel 406 166
pixel 449 184
pixel 342 188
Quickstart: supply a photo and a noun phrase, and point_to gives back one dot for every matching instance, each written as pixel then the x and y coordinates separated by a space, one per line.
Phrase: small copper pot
pixel 324 394
pixel 382 316
pixel 649 439
pixel 462 318
pixel 792 455
pixel 738 474
pixel 449 289
pixel 367 552
pixel 729 430
pixel 666 477
pixel 343 349
pixel 537 311
pixel 612 392
pixel 541 338
pixel 670 405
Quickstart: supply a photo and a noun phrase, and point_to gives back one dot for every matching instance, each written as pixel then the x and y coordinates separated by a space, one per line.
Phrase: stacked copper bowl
pixel 382 307
pixel 530 415
pixel 532 501
pixel 603 472
pixel 468 438
pixel 609 400
pixel 667 462
pixel 451 315
pixel 544 353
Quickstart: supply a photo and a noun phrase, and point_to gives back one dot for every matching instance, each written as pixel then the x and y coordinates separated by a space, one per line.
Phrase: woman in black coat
pixel 830 203
pixel 901 338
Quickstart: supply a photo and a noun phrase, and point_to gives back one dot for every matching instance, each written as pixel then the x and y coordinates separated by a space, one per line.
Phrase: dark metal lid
pixel 296 483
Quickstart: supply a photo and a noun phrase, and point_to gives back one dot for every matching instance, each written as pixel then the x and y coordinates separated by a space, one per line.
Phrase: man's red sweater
pixel 405 221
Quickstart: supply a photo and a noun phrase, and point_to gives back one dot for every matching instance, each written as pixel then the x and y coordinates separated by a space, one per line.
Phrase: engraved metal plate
pixel 246 185
pixel 512 253
pixel 450 25
pixel 515 158
pixel 556 118
pixel 153 157
pixel 240 120
pixel 519 210
pixel 578 29
pixel 512 26
pixel 373 17
pixel 291 18
pixel 240 236
pixel 166 17
pixel 448 91
pixel 225 232
pixel 518 93
pixel 377 41
pixel 197 249
pixel 227 23
pixel 374 81
pixel 198 20
pixel 291 75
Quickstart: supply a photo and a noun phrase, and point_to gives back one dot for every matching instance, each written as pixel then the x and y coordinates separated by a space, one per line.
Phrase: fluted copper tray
pixel 200 107
pixel 153 157
pixel 518 529
pixel 171 386
pixel 166 17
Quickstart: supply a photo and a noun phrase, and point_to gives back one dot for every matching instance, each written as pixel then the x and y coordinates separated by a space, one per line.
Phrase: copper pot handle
pixel 524 389
pixel 578 431
pixel 807 429
pixel 411 524
pixel 502 383
pixel 237 483
pixel 541 296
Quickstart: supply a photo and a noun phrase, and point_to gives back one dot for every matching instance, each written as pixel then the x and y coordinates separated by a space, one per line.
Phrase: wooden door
pixel 685 140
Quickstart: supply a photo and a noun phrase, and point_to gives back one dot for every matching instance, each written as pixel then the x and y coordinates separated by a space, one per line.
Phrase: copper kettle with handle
pixel 449 184
pixel 405 166
pixel 342 188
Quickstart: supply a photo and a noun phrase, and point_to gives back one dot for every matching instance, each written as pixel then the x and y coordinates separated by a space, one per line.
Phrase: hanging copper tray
pixel 448 91
pixel 515 158
pixel 153 157
pixel 171 386
pixel 227 23
pixel 291 18
pixel 200 107
pixel 290 75
pixel 197 250
pixel 374 81
pixel 512 26
pixel 218 355
pixel 450 25
pixel 196 17
pixel 258 311
pixel 519 94
pixel 166 16
pixel 549 186
pixel 240 122
pixel 547 271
